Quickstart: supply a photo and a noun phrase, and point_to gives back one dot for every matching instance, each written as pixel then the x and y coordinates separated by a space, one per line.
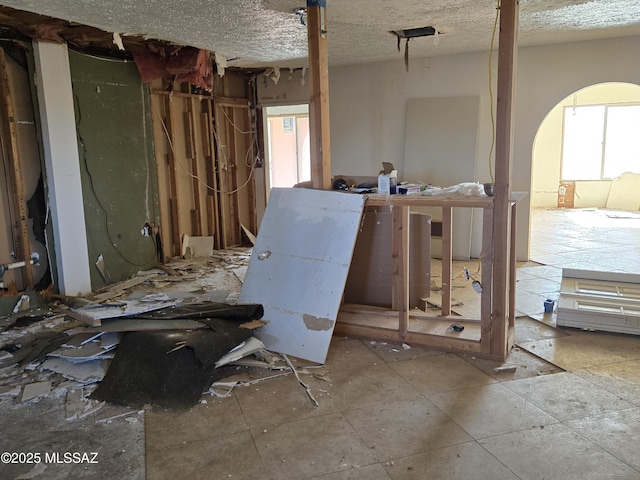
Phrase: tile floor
pixel 571 411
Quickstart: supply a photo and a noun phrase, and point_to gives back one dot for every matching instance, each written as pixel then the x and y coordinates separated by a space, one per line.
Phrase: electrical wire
pixel 493 119
pixel 249 164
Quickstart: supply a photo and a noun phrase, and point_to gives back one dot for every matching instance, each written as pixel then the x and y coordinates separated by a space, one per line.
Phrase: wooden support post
pixel 512 268
pixel 9 144
pixel 207 146
pixel 447 248
pixel 505 92
pixel 400 266
pixel 192 155
pixel 232 152
pixel 319 101
pixel 173 188
pixel 222 167
pixel 487 282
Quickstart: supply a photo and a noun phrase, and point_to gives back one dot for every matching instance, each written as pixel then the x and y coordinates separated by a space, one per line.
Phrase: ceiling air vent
pixel 410 33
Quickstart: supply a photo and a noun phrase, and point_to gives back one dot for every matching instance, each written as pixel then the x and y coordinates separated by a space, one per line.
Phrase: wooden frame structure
pixel 421 328
pixel 11 155
pixel 206 149
pixel 495 335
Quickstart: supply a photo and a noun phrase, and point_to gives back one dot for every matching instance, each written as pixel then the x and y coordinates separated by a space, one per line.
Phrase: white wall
pixel 368 103
pixel 547 152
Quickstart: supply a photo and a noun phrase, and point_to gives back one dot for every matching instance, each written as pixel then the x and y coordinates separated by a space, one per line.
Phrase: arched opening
pixel 585 186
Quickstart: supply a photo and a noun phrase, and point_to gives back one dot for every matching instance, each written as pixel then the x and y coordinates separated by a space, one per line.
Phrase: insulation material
pixel 298 268
pixel 605 301
pixel 370 276
pixel 186 64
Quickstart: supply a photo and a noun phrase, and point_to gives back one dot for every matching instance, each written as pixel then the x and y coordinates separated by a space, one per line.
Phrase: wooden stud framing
pixel 192 155
pixel 501 247
pixel 319 100
pixel 400 266
pixel 173 188
pixel 9 141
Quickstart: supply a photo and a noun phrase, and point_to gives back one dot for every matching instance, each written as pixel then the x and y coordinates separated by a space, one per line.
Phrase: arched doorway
pixel 581 150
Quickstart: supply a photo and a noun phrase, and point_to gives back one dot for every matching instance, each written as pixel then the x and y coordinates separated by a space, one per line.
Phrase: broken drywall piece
pixel 624 192
pixel 126 308
pixel 102 268
pixel 303 72
pixel 84 353
pixel 74 404
pixel 117 40
pixel 85 372
pixel 23 304
pixel 304 385
pixel 221 63
pixel 248 347
pixel 310 235
pixel 37 389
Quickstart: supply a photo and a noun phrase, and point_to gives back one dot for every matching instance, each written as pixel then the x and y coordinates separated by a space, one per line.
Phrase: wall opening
pixel 288 147
pixel 585 173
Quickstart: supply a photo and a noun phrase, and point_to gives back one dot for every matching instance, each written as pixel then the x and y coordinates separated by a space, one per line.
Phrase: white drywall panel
pixel 298 268
pixel 62 167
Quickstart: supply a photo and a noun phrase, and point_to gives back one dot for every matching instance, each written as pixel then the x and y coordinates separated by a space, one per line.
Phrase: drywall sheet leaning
pixel 299 267
pixel 606 301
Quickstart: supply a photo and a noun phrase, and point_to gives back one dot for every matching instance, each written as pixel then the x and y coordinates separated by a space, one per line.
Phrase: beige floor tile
pixel 440 373
pixel 282 400
pixel 370 472
pixel 576 350
pixel 490 410
pixel 526 365
pixel 394 352
pixel 398 429
pixel 565 396
pixel 627 346
pixel 369 386
pixel 219 456
pixel 459 462
pixel 537 284
pixel 621 379
pixel 616 432
pixel 350 354
pixel 216 417
pixel 555 452
pixel 311 447
pixel 530 330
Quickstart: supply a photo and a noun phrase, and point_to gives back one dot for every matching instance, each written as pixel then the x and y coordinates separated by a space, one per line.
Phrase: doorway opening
pixel 585 163
pixel 288 147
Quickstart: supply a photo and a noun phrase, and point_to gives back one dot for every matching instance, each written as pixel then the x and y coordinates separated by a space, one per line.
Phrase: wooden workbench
pixel 420 328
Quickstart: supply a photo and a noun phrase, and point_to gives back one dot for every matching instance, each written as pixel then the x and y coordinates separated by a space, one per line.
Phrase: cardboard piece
pixel 201 246
pixel 370 275
pixel 298 268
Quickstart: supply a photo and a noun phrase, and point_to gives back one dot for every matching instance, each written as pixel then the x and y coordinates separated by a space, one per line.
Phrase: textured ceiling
pixel 254 33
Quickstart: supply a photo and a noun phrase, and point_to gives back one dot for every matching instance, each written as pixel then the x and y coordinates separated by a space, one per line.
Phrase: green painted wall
pixel 119 181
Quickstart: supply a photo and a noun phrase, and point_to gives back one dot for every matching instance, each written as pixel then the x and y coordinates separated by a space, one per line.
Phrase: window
pixel 600 141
